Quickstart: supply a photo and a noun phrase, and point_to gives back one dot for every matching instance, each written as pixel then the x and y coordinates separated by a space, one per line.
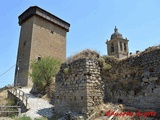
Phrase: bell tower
pixel 117 46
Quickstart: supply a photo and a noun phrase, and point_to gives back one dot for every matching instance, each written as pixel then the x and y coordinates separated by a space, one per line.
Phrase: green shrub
pixel 107 67
pixel 101 61
pixel 66 71
pixel 43 72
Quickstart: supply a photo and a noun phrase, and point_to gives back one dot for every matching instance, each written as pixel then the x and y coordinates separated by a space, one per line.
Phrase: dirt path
pixel 37 107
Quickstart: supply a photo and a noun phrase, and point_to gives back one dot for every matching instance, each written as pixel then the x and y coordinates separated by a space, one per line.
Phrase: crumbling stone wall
pixel 135 81
pixel 78 87
pixel 82 85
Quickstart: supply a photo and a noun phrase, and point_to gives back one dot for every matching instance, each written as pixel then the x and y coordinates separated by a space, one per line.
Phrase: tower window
pixel 81 97
pixel 39 58
pixel 125 47
pixel 121 46
pixel 112 47
pixel 24 44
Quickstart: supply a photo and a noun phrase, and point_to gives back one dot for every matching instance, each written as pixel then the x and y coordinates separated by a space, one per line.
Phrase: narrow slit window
pixel 24 43
pixel 81 97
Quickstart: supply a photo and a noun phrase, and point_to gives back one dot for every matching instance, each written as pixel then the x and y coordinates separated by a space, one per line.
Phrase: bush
pixel 107 67
pixel 66 71
pixel 43 72
pixel 101 61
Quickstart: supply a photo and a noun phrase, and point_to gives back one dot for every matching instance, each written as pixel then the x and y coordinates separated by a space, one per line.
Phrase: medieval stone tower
pixel 117 46
pixel 42 34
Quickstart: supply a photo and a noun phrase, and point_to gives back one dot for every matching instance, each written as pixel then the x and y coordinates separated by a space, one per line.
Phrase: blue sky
pixel 92 22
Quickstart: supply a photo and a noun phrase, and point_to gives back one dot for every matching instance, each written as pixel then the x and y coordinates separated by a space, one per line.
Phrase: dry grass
pixel 3 97
pixel 84 54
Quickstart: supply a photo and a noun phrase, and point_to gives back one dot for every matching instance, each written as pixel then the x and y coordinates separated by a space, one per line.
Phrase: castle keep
pixel 42 34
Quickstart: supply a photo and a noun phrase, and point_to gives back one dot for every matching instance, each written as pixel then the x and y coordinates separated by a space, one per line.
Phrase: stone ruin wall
pixel 78 87
pixel 135 81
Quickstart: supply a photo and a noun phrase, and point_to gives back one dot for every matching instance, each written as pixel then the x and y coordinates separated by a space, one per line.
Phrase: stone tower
pixel 117 46
pixel 42 34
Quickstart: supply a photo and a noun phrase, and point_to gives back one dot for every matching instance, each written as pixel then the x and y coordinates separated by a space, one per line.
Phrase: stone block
pixel 145 79
pixel 153 78
pixel 146 73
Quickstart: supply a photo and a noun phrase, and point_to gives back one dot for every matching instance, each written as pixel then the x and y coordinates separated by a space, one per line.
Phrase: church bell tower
pixel 117 46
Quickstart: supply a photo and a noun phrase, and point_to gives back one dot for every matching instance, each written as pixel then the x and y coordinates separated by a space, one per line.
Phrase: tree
pixel 43 72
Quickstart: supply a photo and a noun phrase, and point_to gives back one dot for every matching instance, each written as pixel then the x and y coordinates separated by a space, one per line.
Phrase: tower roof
pixel 35 10
pixel 116 34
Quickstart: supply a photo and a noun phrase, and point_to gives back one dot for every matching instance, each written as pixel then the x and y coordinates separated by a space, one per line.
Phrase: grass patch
pixel 43 118
pixel 24 117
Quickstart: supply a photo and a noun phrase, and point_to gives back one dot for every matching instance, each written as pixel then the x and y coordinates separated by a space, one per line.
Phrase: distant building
pixel 117 46
pixel 42 34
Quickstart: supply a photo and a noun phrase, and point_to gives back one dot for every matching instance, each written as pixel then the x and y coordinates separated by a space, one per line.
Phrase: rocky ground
pixel 38 107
